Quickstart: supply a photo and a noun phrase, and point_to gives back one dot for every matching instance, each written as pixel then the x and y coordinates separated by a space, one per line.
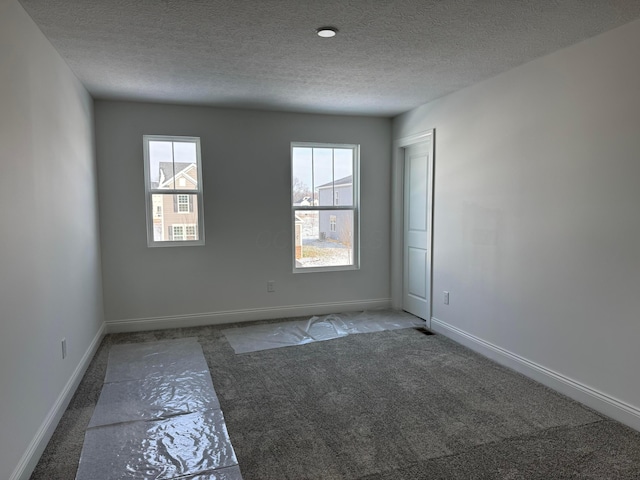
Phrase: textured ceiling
pixel 390 55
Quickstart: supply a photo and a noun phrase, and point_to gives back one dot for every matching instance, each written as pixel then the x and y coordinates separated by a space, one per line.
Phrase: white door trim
pixel 397 214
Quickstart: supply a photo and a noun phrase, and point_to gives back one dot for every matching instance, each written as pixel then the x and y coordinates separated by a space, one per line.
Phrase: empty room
pixel 319 239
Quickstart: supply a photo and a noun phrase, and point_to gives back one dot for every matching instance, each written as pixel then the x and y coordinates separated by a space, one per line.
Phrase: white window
pixel 325 198
pixel 182 203
pixel 190 231
pixel 183 232
pixel 177 232
pixel 173 187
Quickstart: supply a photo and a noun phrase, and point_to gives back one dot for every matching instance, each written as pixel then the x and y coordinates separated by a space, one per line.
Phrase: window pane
pixel 302 177
pixel 343 176
pixel 160 164
pixel 184 152
pixel 173 165
pixel 326 238
pixel 175 217
pixel 323 175
pixel 186 165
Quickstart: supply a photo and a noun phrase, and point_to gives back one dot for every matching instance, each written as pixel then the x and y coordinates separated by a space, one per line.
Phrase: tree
pixel 345 232
pixel 300 190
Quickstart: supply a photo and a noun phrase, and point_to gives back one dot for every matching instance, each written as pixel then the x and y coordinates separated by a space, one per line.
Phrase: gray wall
pixel 49 247
pixel 537 224
pixel 247 209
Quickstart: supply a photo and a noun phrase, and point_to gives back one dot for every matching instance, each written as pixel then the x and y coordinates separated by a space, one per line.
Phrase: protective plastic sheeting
pixel 263 337
pixel 155 359
pixel 158 417
pixel 154 398
pixel 375 321
pixel 316 329
pixel 158 449
pixel 229 473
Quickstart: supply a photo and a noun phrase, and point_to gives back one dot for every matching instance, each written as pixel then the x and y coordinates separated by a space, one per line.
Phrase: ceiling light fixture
pixel 327 32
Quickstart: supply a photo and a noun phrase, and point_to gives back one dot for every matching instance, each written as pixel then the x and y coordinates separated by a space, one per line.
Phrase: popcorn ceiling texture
pixel 389 57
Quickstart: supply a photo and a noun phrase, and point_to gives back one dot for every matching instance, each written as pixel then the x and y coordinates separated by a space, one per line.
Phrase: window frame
pixel 149 192
pixel 355 207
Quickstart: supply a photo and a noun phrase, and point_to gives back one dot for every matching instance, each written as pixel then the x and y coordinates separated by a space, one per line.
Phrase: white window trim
pixel 149 192
pixel 187 177
pixel 355 208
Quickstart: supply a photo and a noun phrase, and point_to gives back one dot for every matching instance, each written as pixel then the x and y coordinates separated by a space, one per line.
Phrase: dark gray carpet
pixel 389 405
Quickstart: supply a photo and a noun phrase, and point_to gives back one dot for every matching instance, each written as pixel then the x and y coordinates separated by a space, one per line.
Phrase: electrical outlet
pixel 271 286
pixel 446 298
pixel 64 348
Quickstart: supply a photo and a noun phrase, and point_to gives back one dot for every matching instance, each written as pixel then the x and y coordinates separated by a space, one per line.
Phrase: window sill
pixel 340 268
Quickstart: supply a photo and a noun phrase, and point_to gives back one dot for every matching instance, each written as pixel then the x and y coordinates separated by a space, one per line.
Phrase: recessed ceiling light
pixel 327 32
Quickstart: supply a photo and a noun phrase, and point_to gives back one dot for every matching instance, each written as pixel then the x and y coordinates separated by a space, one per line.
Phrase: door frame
pixel 397 217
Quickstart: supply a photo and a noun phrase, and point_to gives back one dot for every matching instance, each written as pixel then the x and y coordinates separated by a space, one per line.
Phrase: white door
pixel 417 220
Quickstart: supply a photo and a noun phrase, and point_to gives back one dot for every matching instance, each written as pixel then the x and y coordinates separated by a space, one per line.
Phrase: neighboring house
pixel 175 217
pixel 333 224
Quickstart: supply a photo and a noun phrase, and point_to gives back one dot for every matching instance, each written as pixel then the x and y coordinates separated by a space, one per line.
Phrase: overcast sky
pixel 185 152
pixel 317 166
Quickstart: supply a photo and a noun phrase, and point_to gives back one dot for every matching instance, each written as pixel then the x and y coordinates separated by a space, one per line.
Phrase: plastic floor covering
pixel 299 332
pixel 158 417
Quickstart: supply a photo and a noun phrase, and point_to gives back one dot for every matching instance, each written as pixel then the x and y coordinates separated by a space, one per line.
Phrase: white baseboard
pixel 245 315
pixel 599 401
pixel 39 442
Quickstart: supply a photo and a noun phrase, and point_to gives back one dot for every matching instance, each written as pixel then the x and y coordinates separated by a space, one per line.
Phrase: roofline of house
pixel 181 172
pixel 334 186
